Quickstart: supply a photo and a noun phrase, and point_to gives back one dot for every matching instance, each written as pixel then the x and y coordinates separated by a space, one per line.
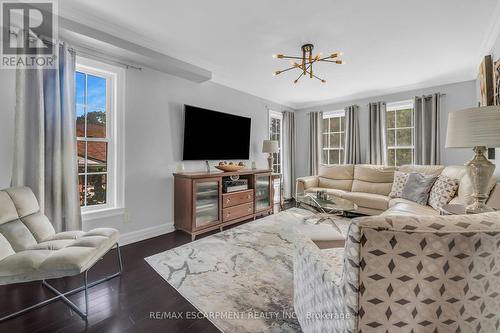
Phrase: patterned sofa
pixel 403 274
pixel 369 186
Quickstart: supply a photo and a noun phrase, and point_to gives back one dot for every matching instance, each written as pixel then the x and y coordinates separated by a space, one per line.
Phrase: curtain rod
pixel 88 52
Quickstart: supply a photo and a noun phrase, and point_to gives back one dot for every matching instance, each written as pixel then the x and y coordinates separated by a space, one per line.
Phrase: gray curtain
pixel 427 129
pixel 352 150
pixel 288 152
pixel 45 157
pixel 377 134
pixel 315 119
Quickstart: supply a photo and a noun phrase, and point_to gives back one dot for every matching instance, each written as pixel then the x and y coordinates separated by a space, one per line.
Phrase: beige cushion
pixel 400 206
pixel 494 199
pixel 31 250
pixel 455 171
pixel 400 179
pixel 373 179
pixel 424 169
pixel 368 200
pixel 465 189
pixel 336 176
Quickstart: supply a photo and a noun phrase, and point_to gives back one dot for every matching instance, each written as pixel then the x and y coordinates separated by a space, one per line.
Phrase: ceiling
pixel 389 45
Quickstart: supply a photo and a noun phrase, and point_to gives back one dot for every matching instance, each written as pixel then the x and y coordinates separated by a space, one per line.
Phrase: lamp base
pixel 480 171
pixel 270 160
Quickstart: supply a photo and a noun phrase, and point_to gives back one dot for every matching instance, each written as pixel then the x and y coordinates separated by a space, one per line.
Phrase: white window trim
pixel 340 150
pixel 277 115
pixel 116 127
pixel 396 106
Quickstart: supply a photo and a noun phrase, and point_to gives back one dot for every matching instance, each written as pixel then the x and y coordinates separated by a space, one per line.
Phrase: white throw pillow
pixel 400 179
pixel 443 190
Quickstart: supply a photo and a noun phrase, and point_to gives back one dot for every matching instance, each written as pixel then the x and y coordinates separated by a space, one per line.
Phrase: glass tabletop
pixel 328 202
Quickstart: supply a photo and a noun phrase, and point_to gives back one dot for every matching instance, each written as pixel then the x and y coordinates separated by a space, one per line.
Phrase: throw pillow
pixel 418 187
pixel 400 179
pixel 443 190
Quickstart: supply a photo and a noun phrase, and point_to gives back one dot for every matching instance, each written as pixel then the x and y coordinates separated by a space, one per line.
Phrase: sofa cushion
pixel 368 200
pixel 400 206
pixel 400 179
pixel 418 187
pixel 374 179
pixel 423 169
pixel 466 189
pixel 336 176
pixel 443 191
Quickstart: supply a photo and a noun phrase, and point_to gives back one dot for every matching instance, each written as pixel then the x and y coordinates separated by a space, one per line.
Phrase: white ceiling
pixel 389 45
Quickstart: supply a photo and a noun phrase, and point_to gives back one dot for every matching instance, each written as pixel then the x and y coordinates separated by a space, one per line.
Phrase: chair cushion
pixel 65 254
pixel 368 200
pixel 424 169
pixel 336 176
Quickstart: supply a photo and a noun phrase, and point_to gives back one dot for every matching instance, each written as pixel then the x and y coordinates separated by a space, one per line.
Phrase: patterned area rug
pixel 241 279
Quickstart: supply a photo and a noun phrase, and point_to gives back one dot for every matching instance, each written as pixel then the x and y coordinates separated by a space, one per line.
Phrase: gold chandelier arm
pixel 289 57
pixel 322 80
pixel 334 61
pixel 284 70
pixel 303 72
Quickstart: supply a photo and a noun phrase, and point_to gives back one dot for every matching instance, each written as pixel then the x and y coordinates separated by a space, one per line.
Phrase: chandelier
pixel 305 64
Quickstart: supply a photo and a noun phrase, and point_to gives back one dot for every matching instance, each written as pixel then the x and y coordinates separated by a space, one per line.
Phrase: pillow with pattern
pixel 400 179
pixel 443 190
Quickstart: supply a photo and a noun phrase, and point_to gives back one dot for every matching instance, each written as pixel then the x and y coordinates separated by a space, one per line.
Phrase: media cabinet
pixel 201 206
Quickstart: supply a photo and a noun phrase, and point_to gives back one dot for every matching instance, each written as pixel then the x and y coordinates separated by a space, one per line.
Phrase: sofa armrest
pixel 322 293
pixel 303 183
pixel 494 198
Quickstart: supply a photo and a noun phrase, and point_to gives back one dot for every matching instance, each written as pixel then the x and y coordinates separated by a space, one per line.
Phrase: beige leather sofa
pixel 30 249
pixel 369 186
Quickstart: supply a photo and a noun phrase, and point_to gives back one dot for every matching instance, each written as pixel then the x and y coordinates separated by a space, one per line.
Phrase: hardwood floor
pixel 122 304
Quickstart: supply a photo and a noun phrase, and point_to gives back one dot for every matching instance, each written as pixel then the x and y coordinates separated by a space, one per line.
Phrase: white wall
pixel 458 96
pixel 153 138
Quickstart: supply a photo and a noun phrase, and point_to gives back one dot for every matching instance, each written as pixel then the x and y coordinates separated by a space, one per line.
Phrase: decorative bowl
pixel 230 168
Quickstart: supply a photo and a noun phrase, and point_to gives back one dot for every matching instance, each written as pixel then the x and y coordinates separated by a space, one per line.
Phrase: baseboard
pixel 142 234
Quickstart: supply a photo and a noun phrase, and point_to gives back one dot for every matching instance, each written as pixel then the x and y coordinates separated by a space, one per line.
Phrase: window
pixel 333 137
pixel 400 133
pixel 275 133
pixel 95 90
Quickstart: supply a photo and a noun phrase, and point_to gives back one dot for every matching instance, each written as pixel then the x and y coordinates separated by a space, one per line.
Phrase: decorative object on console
pixel 230 167
pixel 417 188
pixel 443 190
pixel 307 60
pixel 270 147
pixel 400 179
pixel 476 128
pixel 486 81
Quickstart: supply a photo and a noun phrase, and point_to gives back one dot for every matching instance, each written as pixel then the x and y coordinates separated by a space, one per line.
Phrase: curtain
pixel 427 129
pixel 377 134
pixel 288 154
pixel 352 150
pixel 315 119
pixel 45 157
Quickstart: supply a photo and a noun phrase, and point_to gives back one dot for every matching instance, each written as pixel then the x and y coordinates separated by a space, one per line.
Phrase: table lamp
pixel 477 128
pixel 270 146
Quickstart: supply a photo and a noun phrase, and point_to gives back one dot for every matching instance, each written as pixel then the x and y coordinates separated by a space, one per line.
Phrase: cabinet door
pixel 263 191
pixel 207 194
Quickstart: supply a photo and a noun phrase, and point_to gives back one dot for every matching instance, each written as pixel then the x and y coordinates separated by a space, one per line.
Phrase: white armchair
pixel 30 249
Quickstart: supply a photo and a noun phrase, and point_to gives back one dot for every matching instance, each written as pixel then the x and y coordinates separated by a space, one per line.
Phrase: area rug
pixel 240 279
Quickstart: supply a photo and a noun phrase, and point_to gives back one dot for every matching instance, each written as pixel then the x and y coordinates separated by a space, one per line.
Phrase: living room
pixel 105 155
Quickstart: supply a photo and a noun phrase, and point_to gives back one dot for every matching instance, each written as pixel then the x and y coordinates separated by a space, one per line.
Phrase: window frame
pixel 114 131
pixel 341 150
pixel 397 107
pixel 279 116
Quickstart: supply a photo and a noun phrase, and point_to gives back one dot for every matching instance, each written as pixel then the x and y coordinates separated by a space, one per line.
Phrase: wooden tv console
pixel 201 206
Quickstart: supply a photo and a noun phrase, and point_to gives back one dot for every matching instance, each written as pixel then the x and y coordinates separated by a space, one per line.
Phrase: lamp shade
pixel 270 146
pixel 474 127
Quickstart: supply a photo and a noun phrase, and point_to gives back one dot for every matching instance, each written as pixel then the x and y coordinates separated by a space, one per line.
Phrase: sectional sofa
pixel 369 187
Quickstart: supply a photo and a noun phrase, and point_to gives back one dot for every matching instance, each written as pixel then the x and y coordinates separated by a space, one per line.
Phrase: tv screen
pixel 212 135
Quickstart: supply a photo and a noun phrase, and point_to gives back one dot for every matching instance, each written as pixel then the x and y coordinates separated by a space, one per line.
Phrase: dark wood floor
pixel 122 304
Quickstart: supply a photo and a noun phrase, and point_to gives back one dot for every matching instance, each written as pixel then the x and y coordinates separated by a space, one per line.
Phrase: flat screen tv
pixel 212 135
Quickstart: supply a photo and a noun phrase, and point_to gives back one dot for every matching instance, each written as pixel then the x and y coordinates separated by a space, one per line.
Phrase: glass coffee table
pixel 326 207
